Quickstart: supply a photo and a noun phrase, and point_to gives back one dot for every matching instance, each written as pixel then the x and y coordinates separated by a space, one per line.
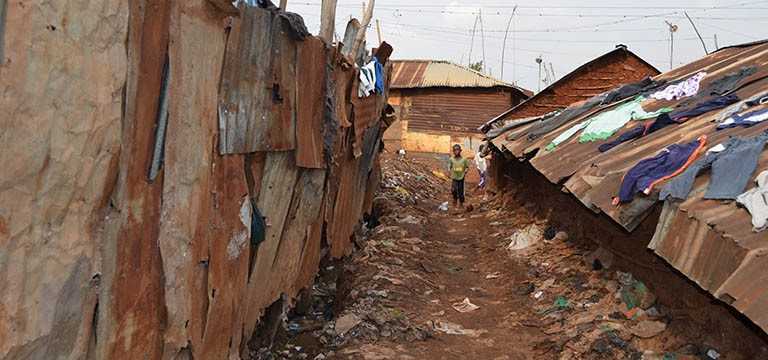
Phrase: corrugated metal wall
pixel 447 110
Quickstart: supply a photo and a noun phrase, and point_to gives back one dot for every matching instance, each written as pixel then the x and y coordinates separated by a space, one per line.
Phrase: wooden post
pixel 363 28
pixel 378 30
pixel 283 4
pixel 327 20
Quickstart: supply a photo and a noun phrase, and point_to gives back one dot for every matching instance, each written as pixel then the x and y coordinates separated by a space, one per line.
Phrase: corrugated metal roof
pixel 408 74
pixel 634 68
pixel 711 242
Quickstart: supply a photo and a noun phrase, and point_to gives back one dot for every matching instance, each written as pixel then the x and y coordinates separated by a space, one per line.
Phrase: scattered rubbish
pixel 346 323
pixel 713 354
pixel 561 303
pixel 634 293
pixel 440 175
pixel 648 329
pixel 550 232
pixel 525 289
pixel 599 259
pixel 561 236
pixel 455 329
pixel 524 238
pixel 410 219
pixel 538 295
pixel 465 306
pixel 494 275
pixel 443 206
pixel 439 313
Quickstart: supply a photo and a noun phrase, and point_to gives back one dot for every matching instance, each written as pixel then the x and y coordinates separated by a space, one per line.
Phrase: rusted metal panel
pixel 305 209
pixel 411 74
pixel 452 110
pixel 310 107
pixel 711 242
pixel 189 149
pixel 601 74
pixel 277 187
pixel 258 88
pixel 228 245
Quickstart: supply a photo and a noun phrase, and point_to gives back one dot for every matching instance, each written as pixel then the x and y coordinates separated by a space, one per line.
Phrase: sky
pixel 564 34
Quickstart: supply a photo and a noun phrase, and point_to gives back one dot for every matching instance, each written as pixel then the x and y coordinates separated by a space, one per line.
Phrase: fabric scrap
pixel 745 120
pixel 684 89
pixel 757 99
pixel 731 81
pixel 630 90
pixel 603 125
pixel 703 107
pixel 638 132
pixel 756 202
pixel 649 172
pixel 731 169
pixel 570 113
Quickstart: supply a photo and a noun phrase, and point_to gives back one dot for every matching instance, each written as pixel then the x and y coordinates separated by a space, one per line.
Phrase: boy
pixel 459 168
pixel 481 165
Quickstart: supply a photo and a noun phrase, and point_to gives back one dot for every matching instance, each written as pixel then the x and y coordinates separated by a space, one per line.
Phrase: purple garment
pixel 641 176
pixel 637 132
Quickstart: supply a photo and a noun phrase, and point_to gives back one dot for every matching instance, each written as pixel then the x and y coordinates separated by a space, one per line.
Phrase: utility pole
pixel 378 30
pixel 538 61
pixel 672 30
pixel 482 37
pixel 472 42
pixel 704 45
pixel 717 47
pixel 504 45
pixel 553 71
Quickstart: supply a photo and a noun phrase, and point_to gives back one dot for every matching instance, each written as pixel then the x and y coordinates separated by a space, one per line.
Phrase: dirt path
pixel 549 299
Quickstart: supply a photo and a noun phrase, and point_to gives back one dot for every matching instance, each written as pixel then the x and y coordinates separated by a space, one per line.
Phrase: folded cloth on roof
pixel 745 120
pixel 757 99
pixel 731 169
pixel 731 81
pixel 512 124
pixel 605 124
pixel 637 132
pixel 703 107
pixel 629 90
pixel 686 88
pixel 570 113
pixel 649 172
pixel 756 202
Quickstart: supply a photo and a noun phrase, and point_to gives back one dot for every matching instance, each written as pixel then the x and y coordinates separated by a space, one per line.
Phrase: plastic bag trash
pixel 465 306
pixel 713 354
pixel 524 238
pixel 443 206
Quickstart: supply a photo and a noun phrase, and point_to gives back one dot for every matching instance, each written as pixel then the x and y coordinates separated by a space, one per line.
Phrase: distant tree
pixel 478 66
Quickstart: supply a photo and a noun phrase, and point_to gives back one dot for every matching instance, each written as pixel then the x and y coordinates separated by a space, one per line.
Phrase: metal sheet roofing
pixel 408 74
pixel 711 242
pixel 600 74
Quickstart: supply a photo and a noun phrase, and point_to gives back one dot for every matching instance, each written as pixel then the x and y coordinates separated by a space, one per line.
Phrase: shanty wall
pixel 99 260
pixel 432 119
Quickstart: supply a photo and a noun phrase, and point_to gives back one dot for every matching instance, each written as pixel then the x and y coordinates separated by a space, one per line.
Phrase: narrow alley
pixel 490 282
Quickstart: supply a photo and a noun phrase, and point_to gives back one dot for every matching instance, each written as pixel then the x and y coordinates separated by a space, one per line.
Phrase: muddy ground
pixel 494 281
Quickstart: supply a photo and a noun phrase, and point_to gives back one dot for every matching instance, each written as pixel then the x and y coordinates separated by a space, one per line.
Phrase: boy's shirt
pixel 459 167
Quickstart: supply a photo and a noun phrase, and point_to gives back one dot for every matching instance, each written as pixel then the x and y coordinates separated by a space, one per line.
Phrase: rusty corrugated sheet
pixel 452 110
pixel 310 107
pixel 615 68
pixel 711 242
pixel 411 74
pixel 258 88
